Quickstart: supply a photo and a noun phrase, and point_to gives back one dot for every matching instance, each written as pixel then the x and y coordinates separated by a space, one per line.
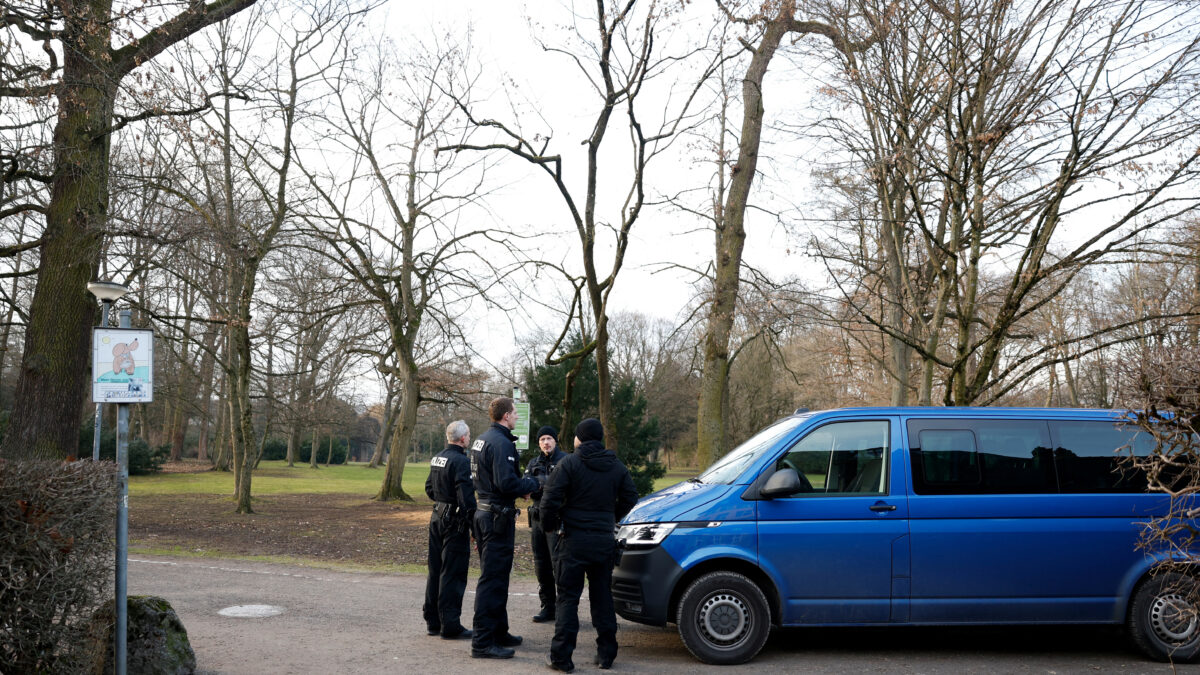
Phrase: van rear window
pixel 1089 456
pixel 1024 456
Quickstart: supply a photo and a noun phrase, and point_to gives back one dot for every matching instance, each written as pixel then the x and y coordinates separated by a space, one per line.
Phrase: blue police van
pixel 907 516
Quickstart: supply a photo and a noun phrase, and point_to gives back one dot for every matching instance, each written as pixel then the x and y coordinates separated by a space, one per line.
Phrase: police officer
pixel 543 543
pixel 495 468
pixel 586 495
pixel 449 486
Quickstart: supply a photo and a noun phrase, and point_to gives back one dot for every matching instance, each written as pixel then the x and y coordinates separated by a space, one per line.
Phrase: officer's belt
pixel 498 510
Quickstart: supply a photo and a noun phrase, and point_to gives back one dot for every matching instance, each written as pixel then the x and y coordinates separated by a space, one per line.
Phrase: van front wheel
pixel 1163 620
pixel 724 618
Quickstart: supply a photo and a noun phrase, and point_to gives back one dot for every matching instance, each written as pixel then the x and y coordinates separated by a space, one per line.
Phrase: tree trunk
pixel 314 447
pixel 207 363
pixel 612 439
pixel 53 384
pixel 730 241
pixel 243 425
pixel 410 400
pixel 385 433
pixel 293 442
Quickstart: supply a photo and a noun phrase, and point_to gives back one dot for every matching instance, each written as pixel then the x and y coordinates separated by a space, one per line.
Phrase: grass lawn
pixel 323 517
pixel 275 478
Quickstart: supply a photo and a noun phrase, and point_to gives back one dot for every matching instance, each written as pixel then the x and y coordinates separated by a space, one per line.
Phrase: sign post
pixel 122 373
pixel 522 432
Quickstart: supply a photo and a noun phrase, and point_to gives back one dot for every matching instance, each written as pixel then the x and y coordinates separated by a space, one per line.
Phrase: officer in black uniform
pixel 495 468
pixel 585 497
pixel 543 543
pixel 449 486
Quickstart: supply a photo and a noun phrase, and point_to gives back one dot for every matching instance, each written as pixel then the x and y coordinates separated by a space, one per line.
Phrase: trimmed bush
pixel 142 459
pixel 276 449
pixel 56 557
pixel 304 452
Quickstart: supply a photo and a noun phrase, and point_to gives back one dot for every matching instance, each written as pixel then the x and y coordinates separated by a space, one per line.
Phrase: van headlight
pixel 644 534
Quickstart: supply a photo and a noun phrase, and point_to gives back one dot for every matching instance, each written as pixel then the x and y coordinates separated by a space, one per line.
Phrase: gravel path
pixel 345 622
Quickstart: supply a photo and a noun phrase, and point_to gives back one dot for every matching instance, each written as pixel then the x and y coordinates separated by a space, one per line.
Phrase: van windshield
pixel 729 467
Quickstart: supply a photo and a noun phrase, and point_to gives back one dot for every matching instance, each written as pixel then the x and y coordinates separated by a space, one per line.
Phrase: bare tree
pixel 771 23
pixel 982 136
pixel 615 52
pixel 391 215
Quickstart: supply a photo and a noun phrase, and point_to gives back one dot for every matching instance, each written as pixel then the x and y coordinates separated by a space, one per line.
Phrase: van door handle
pixel 882 506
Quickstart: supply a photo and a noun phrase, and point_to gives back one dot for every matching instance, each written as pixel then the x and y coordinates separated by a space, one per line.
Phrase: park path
pixel 349 622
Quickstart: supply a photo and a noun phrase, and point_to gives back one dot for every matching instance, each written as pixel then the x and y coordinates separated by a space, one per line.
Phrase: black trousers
pixel 584 555
pixel 543 544
pixel 449 553
pixel 494 537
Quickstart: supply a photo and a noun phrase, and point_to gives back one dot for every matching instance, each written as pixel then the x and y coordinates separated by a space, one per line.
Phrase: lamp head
pixel 107 291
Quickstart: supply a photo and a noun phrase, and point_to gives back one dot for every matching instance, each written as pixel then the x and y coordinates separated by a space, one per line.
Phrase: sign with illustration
pixel 122 365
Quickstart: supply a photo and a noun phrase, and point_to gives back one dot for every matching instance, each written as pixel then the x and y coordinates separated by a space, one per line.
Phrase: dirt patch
pixel 338 528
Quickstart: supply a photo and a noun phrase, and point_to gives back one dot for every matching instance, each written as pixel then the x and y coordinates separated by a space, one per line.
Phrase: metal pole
pixel 122 525
pixel 99 406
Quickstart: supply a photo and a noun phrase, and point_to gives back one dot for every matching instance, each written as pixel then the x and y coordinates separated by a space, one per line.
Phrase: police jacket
pixel 496 470
pixel 449 479
pixel 541 465
pixel 589 491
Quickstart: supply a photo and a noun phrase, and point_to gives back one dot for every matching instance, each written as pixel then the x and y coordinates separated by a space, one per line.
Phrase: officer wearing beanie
pixel 543 543
pixel 585 497
pixel 495 468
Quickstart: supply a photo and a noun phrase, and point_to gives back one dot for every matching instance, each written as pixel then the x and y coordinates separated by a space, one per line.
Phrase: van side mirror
pixel 782 483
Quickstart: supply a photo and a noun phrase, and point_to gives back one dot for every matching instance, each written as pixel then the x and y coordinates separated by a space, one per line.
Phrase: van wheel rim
pixel 724 620
pixel 1173 618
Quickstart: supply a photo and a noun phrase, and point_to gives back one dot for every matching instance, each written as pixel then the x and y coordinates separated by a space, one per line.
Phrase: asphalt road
pixel 343 622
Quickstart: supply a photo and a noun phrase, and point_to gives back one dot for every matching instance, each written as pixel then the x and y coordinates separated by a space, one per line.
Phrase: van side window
pixel 1089 456
pixel 949 457
pixel 843 458
pixel 981 457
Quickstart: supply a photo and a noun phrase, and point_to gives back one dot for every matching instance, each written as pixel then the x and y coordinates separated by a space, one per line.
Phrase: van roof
pixel 966 411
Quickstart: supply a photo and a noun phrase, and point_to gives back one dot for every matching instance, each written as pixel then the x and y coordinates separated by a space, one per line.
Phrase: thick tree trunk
pixel 52 388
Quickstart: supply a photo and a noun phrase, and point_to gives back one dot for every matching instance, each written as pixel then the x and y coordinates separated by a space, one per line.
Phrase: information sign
pixel 122 365
pixel 522 430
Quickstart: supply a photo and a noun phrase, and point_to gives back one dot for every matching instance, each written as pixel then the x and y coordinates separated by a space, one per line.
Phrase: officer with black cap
pixel 495 468
pixel 543 543
pixel 449 486
pixel 585 497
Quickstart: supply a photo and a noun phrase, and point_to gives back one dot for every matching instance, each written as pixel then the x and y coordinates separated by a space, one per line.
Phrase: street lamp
pixel 107 292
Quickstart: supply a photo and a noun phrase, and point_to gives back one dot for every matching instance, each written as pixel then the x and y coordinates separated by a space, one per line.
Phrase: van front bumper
pixel 642 584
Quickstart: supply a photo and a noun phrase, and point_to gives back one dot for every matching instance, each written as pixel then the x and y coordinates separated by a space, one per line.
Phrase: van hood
pixel 672 504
